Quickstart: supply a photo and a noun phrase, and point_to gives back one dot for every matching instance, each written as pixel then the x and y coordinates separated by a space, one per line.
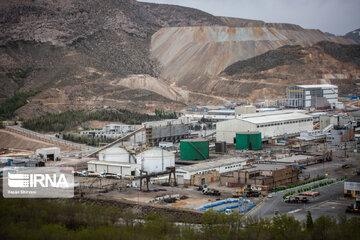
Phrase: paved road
pixel 330 202
pixel 55 139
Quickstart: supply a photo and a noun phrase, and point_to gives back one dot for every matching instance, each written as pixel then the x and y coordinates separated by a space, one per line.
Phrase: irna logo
pixel 37 180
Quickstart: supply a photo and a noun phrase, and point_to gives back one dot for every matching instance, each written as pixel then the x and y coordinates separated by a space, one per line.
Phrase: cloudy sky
pixel 334 16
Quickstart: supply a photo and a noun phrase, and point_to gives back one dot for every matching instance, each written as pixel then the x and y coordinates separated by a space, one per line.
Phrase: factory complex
pixel 248 151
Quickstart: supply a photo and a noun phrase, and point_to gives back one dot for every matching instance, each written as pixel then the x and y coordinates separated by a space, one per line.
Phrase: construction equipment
pixel 296 199
pixel 239 192
pixel 354 208
pixel 251 193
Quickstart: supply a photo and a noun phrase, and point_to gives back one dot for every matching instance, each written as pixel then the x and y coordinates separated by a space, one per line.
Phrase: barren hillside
pixel 126 54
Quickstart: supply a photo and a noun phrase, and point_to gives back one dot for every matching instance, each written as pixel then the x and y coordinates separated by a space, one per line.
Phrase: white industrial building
pixel 111 131
pixel 52 153
pixel 318 96
pixel 270 124
pixel 120 161
pixel 221 166
pixel 123 169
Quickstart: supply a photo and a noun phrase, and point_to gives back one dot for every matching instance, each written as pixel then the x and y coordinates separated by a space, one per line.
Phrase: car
pixel 270 196
pixel 228 211
pixel 345 166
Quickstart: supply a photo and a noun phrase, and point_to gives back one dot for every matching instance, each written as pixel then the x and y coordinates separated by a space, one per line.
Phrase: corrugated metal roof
pixel 265 167
pixel 294 159
pixel 318 86
pixel 277 118
pixel 212 164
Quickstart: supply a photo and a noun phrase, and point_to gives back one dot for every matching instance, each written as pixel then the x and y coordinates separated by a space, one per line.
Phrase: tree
pixel 309 221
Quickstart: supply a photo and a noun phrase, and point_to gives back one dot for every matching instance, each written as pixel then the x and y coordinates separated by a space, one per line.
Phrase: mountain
pixel 353 35
pixel 122 53
pixel 270 73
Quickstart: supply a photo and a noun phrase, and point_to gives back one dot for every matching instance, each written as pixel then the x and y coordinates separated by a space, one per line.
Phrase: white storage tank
pixel 156 160
pixel 115 154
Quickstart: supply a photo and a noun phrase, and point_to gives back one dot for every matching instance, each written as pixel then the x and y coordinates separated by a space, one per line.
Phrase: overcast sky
pixel 334 16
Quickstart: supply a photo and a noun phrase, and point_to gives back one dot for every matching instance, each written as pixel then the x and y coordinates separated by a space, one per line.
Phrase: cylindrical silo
pixel 255 141
pixel 156 160
pixel 248 140
pixel 242 141
pixel 114 154
pixel 194 149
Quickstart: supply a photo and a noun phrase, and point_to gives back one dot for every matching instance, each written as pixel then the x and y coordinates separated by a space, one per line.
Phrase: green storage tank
pixel 242 141
pixel 248 140
pixel 192 149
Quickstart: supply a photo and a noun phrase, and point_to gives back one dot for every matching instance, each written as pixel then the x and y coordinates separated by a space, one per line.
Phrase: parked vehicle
pixel 201 187
pixel 84 173
pixel 296 199
pixel 228 211
pixel 213 192
pixel 251 193
pixel 354 208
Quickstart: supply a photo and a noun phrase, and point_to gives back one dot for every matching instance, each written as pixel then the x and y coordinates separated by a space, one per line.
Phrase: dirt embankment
pixel 142 210
pixel 17 141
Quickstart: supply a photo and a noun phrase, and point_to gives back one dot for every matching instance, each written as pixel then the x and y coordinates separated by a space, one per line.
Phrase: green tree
pixel 309 221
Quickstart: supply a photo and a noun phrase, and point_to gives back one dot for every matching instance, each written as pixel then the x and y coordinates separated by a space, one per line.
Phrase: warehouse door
pixel 234 140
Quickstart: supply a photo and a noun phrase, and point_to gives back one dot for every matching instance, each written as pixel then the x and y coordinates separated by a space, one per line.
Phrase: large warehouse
pixel 270 125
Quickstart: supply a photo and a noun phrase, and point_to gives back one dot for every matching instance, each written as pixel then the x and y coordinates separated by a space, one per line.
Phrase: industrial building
pixel 48 154
pixel 247 109
pixel 184 174
pixel 166 131
pixel 264 175
pixel 111 131
pixel 313 96
pixel 305 160
pixel 352 187
pixel 340 120
pixel 123 169
pixel 120 161
pixel 269 124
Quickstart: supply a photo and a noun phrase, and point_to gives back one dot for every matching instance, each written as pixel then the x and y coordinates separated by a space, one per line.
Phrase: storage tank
pixel 156 160
pixel 194 149
pixel 115 154
pixel 248 140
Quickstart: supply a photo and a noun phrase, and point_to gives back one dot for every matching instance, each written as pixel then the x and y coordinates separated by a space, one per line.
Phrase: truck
pixel 296 199
pixel 213 192
pixel 354 208
pixel 251 193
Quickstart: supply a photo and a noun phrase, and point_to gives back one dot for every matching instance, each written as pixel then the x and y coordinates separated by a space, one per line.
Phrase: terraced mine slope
pixel 268 74
pixel 187 53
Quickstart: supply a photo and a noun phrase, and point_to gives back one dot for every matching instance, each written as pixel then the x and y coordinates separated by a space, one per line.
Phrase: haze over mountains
pixel 142 56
